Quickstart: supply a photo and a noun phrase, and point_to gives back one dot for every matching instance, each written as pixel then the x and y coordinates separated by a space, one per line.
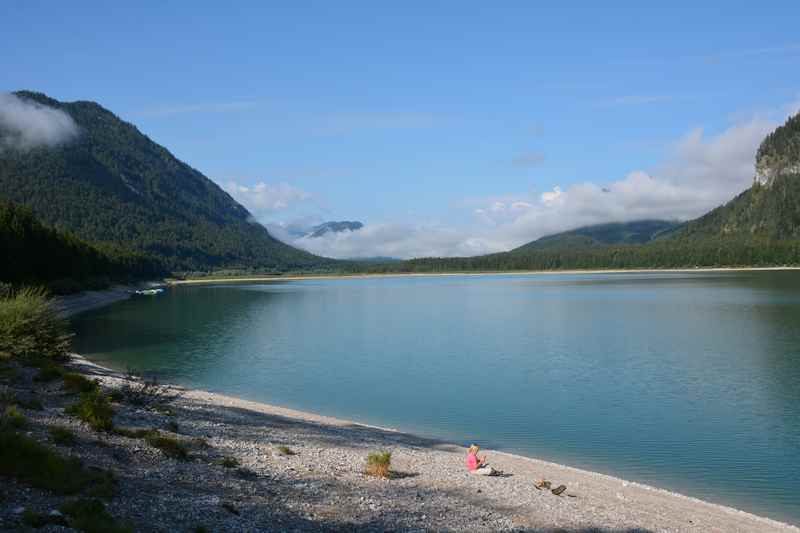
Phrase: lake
pixel 686 381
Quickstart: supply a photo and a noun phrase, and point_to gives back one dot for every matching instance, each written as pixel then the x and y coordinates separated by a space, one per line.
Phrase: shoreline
pixel 301 277
pixel 642 502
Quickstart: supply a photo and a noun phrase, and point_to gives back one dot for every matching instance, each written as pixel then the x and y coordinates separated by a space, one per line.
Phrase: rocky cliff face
pixel 769 168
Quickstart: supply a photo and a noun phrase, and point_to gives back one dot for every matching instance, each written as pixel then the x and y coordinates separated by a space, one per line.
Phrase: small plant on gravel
pixel 200 529
pixel 49 372
pixel 171 447
pixel 37 520
pixel 8 373
pixel 32 403
pixel 230 508
pixel 13 418
pixel 116 396
pixel 138 433
pixel 146 392
pixel 378 464
pixel 285 450
pixel 91 516
pixel 78 383
pixel 62 435
pixel 95 410
pixel 7 396
pixel 172 426
pixel 199 443
pixel 229 462
pixel 37 465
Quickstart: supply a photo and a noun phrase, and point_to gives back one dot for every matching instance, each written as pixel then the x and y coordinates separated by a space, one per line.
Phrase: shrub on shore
pixel 74 382
pixel 285 450
pixel 229 462
pixel 378 464
pixel 62 435
pixel 31 327
pixel 34 464
pixel 91 516
pixel 13 418
pixel 95 410
pixel 146 392
pixel 170 446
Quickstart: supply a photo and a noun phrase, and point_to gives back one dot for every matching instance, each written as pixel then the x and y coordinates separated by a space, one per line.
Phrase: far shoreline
pixel 303 277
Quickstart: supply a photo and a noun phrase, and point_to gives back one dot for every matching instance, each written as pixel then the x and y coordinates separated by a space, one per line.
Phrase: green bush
pixel 13 418
pixel 95 410
pixel 378 464
pixel 171 447
pixel 49 372
pixel 229 462
pixel 37 465
pixel 62 435
pixel 74 382
pixel 31 327
pixel 91 516
pixel 285 450
pixel 37 520
pixel 135 433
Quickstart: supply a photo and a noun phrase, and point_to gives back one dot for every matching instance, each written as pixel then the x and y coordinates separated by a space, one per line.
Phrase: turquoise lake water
pixel 690 382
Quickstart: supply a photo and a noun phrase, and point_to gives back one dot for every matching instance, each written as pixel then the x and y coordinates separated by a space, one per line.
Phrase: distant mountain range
pixel 637 232
pixel 132 205
pixel 112 184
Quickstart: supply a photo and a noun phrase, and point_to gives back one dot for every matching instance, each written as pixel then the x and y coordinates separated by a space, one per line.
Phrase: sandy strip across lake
pixel 301 277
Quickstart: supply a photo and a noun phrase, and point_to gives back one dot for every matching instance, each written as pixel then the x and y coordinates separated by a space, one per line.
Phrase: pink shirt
pixel 472 461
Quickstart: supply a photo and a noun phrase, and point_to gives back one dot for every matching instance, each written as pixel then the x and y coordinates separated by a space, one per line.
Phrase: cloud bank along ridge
pixel 699 173
pixel 25 124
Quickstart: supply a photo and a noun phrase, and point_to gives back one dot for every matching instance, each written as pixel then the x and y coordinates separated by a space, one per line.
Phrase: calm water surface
pixel 690 382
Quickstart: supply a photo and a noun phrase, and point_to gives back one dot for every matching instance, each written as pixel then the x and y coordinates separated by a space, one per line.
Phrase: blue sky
pixel 445 126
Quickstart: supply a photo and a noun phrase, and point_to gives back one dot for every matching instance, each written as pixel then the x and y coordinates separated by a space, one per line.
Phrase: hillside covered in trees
pixel 111 184
pixel 36 254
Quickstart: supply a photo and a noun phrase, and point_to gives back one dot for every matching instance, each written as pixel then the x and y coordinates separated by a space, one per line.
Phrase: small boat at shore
pixel 149 292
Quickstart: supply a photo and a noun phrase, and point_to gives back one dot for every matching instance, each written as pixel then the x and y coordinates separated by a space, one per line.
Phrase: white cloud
pixel 25 124
pixel 263 199
pixel 699 173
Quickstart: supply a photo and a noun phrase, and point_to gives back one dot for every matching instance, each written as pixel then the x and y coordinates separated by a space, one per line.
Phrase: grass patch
pixel 229 462
pixel 170 446
pixel 285 450
pixel 7 396
pixel 91 516
pixel 37 465
pixel 37 520
pixel 138 433
pixel 8 373
pixel 95 410
pixel 33 404
pixel 199 443
pixel 78 383
pixel 62 435
pixel 13 418
pixel 378 464
pixel 49 372
pixel 31 327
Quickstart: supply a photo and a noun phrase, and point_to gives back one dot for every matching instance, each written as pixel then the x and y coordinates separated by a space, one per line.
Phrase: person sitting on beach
pixel 478 465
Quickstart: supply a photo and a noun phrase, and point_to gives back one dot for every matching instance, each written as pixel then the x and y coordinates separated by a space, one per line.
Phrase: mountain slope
pixel 638 232
pixel 113 184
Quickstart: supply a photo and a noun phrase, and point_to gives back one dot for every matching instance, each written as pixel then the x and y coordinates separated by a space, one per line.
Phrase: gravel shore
pixel 321 486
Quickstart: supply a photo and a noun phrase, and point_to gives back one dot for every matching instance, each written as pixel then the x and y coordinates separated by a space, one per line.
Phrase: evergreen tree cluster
pixel 35 254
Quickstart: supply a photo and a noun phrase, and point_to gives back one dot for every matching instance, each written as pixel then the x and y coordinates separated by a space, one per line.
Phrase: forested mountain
pixel 35 254
pixel 770 209
pixel 638 232
pixel 112 184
